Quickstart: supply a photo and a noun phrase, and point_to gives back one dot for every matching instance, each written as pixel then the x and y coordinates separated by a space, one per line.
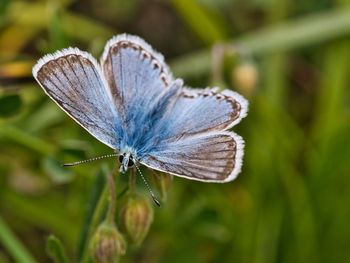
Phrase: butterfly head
pixel 126 159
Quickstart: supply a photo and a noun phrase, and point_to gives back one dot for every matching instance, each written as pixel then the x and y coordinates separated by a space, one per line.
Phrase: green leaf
pixel 55 250
pixel 56 172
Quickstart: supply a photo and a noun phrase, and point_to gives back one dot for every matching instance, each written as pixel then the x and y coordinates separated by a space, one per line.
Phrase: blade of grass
pixel 332 96
pixel 202 22
pixel 28 20
pixel 13 245
pixel 294 34
pixel 88 29
pixel 34 143
pixel 275 64
pixel 275 89
pixel 58 36
pixel 268 232
pixel 31 211
pixel 330 114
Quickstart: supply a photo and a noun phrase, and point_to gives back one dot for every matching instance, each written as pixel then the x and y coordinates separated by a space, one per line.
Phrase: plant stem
pixel 108 193
pixel 112 201
pixel 96 218
pixel 132 179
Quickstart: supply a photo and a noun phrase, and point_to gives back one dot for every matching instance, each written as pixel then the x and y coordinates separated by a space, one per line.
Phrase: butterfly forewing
pixel 136 75
pixel 197 112
pixel 73 80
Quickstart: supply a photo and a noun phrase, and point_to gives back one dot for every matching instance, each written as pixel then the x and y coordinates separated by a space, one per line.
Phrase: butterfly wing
pixel 140 86
pixel 73 79
pixel 203 111
pixel 209 158
pixel 135 73
pixel 194 143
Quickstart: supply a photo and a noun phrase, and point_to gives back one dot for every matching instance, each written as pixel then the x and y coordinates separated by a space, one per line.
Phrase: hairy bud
pixel 107 244
pixel 245 77
pixel 136 216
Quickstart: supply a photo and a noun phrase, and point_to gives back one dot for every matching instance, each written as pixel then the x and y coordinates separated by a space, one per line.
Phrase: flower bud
pixel 245 77
pixel 136 216
pixel 162 181
pixel 107 244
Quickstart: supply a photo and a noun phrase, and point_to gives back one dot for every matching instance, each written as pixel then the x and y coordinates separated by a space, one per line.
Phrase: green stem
pixel 108 193
pixel 132 179
pixel 112 201
pixel 96 218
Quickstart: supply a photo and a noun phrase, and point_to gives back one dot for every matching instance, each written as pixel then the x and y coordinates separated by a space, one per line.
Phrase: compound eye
pixel 131 162
pixel 121 158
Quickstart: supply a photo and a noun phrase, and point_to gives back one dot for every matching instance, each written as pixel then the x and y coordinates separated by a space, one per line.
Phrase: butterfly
pixel 131 102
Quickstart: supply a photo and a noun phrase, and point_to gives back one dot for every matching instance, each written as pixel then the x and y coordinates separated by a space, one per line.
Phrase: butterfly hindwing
pixel 213 157
pixel 73 80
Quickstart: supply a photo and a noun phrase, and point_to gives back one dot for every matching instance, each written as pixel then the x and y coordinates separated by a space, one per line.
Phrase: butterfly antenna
pixel 90 160
pixel 147 185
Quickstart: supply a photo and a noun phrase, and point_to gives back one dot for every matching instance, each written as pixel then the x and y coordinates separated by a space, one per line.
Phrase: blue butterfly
pixel 131 103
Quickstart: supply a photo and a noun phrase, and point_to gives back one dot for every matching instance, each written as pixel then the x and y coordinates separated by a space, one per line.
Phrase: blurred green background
pixel 291 203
